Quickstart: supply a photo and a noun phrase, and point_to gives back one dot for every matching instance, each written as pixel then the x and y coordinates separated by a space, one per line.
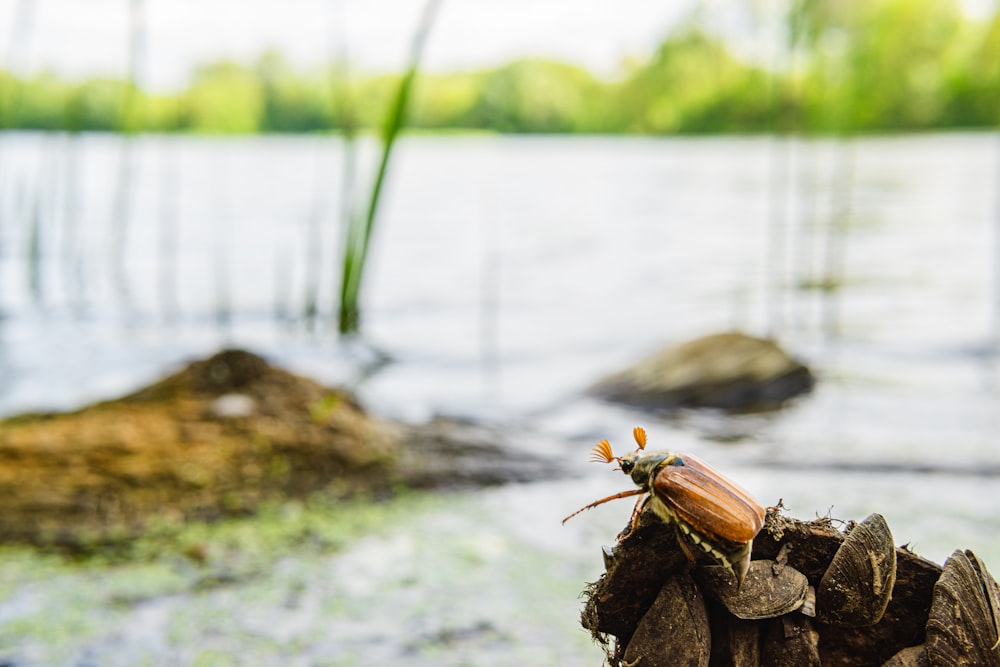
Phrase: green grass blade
pixel 359 229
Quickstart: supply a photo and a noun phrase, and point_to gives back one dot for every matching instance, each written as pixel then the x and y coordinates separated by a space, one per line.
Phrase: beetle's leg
pixel 633 521
pixel 739 563
pixel 684 546
pixel 736 562
pixel 623 494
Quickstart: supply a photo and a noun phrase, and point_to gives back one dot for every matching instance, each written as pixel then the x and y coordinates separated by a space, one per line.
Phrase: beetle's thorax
pixel 642 466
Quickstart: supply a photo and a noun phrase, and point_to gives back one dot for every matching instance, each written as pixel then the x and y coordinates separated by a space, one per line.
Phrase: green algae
pixel 419 579
pixel 102 587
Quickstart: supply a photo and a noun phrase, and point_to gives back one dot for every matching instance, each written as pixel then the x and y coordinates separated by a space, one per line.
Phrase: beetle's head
pixel 639 465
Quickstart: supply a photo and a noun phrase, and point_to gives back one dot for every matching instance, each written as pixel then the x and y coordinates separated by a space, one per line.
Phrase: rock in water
pixel 220 437
pixel 728 371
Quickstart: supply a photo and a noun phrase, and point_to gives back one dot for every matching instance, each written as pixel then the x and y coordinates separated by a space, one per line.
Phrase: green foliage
pixel 973 81
pixel 444 101
pixel 694 84
pixel 292 103
pixel 533 96
pixel 39 103
pixel 893 69
pixel 844 66
pixel 226 98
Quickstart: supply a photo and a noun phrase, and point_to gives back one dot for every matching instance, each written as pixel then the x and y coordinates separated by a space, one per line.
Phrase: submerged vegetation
pixel 838 67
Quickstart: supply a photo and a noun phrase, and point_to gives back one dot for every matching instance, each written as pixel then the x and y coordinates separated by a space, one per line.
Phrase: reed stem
pixel 359 230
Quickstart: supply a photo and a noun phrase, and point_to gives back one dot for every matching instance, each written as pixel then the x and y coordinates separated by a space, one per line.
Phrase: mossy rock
pixel 732 371
pixel 219 438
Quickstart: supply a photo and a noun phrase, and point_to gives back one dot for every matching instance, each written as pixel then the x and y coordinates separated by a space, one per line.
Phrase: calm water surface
pixel 507 274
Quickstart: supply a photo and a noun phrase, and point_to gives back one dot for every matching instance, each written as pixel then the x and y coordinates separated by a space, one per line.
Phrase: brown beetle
pixel 712 514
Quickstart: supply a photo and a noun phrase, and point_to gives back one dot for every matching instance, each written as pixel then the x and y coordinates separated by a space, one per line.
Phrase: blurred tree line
pixel 845 66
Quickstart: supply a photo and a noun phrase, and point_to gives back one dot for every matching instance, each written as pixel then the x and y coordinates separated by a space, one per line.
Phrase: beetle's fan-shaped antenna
pixel 639 433
pixel 601 453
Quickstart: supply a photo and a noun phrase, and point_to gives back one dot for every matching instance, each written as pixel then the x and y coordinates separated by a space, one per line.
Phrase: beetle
pixel 712 514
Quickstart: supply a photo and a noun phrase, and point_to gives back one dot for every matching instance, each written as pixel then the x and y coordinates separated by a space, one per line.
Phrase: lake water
pixel 507 273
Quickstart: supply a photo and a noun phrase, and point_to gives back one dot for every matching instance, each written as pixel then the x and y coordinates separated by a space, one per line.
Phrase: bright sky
pixel 81 37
